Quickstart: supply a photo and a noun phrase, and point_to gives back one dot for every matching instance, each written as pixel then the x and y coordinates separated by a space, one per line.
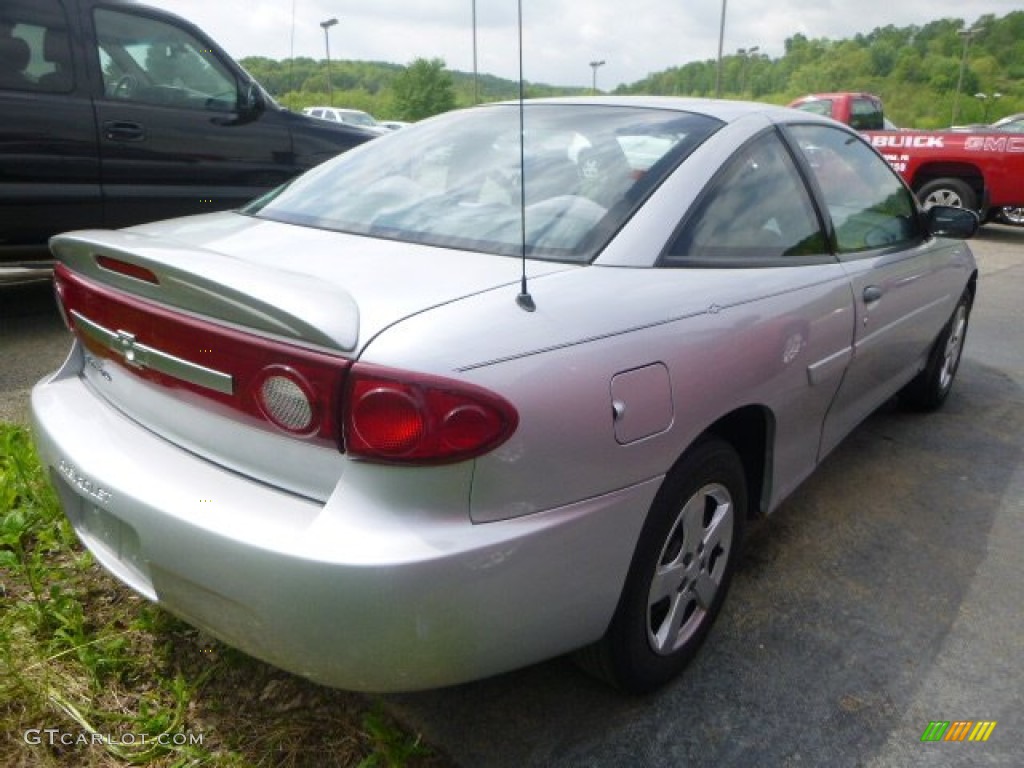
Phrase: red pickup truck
pixel 981 170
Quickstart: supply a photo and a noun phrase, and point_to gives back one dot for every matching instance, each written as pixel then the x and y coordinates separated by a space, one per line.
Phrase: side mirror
pixel 250 100
pixel 947 221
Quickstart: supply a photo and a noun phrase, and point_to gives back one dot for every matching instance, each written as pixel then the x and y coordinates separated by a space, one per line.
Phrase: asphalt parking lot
pixel 887 593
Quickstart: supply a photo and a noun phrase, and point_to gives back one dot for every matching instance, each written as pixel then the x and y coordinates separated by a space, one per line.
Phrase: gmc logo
pixel 995 144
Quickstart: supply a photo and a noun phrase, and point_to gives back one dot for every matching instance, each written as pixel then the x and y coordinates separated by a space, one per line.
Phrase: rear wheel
pixel 928 390
pixel 954 192
pixel 680 572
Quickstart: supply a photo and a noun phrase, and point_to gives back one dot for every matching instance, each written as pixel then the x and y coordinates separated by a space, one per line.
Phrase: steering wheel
pixel 125 87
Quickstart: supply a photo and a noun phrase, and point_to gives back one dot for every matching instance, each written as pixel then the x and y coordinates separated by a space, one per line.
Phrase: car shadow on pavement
pixel 838 612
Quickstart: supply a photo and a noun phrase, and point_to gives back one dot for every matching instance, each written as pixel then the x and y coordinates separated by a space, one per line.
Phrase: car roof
pixel 722 109
pixel 337 109
pixel 1008 119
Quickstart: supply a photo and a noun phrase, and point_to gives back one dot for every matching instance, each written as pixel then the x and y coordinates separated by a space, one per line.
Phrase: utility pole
pixel 327 24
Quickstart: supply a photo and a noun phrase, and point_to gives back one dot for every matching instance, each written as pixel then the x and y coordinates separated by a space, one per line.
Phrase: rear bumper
pixel 354 592
pixel 17 273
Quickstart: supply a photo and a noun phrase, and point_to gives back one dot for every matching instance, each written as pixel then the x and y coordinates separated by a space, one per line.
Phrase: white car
pixel 348 116
pixel 450 403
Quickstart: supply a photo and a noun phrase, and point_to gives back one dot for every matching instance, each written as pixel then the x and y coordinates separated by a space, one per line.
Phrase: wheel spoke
pixel 693 523
pixel 667 634
pixel 719 532
pixel 666 582
pixel 705 589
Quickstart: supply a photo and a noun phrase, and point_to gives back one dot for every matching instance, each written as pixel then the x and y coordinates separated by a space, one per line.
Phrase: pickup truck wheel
pixel 1013 216
pixel 950 191
pixel 928 390
pixel 680 572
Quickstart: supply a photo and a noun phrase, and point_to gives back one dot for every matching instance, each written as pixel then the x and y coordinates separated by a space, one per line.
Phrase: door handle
pixel 872 294
pixel 123 130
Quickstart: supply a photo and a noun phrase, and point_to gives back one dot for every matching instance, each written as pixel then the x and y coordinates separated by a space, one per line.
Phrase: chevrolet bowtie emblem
pixel 125 344
pixel 141 356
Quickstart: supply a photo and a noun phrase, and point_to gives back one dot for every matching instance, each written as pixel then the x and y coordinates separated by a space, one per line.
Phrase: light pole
pixel 966 34
pixel 984 98
pixel 476 78
pixel 721 40
pixel 594 65
pixel 746 53
pixel 327 24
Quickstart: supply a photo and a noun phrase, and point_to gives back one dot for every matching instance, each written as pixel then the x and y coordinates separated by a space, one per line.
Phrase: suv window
pixel 34 50
pixel 149 61
pixel 869 205
pixel 757 211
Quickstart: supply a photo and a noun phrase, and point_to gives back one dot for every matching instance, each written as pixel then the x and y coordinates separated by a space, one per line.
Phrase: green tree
pixel 423 89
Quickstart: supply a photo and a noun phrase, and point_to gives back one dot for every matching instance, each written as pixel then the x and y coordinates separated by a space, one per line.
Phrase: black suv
pixel 115 114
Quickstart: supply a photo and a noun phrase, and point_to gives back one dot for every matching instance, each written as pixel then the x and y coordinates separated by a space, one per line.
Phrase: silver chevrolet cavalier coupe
pixel 500 386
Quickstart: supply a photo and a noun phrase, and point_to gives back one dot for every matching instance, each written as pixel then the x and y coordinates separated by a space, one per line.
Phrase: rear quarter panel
pixel 728 339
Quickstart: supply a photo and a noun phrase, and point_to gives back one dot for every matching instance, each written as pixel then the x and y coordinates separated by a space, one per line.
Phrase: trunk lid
pixel 320 288
pixel 181 321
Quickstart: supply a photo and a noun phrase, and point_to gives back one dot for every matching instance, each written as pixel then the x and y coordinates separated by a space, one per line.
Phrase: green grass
pixel 92 675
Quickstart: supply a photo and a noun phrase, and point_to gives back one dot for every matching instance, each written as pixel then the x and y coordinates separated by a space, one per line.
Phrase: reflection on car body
pixel 408 480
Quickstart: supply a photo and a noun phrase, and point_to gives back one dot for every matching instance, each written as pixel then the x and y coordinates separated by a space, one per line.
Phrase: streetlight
pixel 984 98
pixel 594 65
pixel 721 40
pixel 327 24
pixel 966 34
pixel 746 53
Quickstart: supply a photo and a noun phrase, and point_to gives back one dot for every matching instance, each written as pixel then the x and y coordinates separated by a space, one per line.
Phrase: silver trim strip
pixel 139 355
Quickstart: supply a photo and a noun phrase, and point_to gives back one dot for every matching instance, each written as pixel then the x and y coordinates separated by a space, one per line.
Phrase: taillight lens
pixel 403 417
pixel 127 268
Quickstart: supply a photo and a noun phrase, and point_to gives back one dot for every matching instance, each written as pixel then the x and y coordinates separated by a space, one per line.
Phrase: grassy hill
pixel 914 69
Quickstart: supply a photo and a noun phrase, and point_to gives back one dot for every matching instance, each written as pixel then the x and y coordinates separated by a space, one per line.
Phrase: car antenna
pixel 524 299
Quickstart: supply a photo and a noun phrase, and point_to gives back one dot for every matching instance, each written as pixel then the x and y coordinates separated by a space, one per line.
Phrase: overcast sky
pixel 560 37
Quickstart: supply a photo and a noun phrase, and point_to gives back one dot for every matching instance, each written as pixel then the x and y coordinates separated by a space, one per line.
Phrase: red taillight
pixel 418 419
pixel 127 268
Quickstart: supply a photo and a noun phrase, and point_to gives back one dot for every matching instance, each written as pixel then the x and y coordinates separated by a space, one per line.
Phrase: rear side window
pixel 149 61
pixel 35 54
pixel 757 210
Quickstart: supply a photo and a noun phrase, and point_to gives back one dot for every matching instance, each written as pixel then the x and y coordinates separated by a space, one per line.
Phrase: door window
pixel 869 205
pixel 34 50
pixel 758 210
pixel 145 60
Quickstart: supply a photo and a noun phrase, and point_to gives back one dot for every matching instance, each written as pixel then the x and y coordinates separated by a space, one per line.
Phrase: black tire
pixel 950 191
pixel 929 389
pixel 705 496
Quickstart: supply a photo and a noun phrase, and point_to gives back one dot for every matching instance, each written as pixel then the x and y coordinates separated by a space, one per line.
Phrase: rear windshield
pixel 458 181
